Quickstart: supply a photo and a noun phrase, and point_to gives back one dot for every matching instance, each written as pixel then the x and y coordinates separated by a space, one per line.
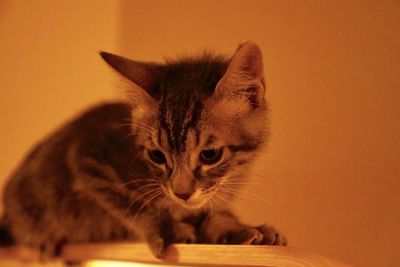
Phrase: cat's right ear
pixel 143 77
pixel 142 74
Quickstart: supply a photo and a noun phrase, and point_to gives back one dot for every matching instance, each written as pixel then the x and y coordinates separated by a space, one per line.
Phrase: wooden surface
pixel 209 255
pixel 187 255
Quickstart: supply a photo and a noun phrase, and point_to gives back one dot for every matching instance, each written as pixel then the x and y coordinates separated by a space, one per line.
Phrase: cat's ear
pixel 244 77
pixel 142 75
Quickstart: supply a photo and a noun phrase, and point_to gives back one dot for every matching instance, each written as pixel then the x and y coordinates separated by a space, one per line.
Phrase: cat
pixel 162 167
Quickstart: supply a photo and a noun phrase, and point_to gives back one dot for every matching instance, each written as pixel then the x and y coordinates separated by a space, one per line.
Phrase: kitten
pixel 162 168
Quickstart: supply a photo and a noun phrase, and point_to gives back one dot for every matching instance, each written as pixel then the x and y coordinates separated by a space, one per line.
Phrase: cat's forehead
pixel 197 123
pixel 183 92
pixel 177 117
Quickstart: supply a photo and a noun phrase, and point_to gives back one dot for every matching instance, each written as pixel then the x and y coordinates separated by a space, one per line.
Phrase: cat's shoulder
pixel 105 111
pixel 96 120
pixel 101 115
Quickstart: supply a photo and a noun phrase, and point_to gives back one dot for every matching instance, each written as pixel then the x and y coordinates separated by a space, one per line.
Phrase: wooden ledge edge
pixel 200 254
pixel 185 254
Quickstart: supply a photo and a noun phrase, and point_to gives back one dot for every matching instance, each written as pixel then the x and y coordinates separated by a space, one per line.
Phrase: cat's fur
pixel 95 180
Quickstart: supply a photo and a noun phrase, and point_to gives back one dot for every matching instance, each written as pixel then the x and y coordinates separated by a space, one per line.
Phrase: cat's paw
pixel 184 233
pixel 157 247
pixel 50 250
pixel 271 236
pixel 178 233
pixel 245 236
pixel 262 235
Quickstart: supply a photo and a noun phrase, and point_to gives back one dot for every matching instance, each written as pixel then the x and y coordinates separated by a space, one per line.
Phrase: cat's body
pixel 162 168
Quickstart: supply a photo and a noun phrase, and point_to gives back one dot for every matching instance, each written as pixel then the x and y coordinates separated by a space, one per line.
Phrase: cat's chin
pixel 191 205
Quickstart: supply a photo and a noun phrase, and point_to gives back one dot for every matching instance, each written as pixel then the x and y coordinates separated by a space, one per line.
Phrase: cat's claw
pixel 262 235
pixel 271 236
pixel 244 235
pixel 255 238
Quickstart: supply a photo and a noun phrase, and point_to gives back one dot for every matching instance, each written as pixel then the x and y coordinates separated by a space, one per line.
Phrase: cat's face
pixel 197 141
pixel 214 152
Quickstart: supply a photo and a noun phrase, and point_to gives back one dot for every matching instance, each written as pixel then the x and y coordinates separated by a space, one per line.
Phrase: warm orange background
pixel 333 80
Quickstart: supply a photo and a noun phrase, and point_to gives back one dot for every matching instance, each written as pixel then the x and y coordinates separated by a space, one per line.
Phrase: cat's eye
pixel 210 156
pixel 157 156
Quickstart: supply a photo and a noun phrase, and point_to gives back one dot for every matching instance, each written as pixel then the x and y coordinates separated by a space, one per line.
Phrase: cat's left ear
pixel 244 78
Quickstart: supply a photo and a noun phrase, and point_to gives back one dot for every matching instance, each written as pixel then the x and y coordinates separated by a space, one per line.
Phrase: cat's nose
pixel 184 196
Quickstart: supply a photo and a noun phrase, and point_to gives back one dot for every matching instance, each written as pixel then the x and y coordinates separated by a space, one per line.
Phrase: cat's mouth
pixel 195 201
pixel 192 204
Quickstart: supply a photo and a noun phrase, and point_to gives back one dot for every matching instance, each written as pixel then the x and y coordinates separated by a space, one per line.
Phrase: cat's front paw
pixel 184 233
pixel 262 235
pixel 271 236
pixel 157 247
pixel 178 233
pixel 244 235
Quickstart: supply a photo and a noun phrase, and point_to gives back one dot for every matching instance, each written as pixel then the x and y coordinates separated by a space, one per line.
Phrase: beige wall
pixel 49 67
pixel 332 70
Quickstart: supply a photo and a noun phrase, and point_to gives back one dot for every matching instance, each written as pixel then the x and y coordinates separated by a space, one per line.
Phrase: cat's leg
pixel 170 232
pixel 136 216
pixel 134 210
pixel 184 233
pixel 178 232
pixel 51 249
pixel 225 228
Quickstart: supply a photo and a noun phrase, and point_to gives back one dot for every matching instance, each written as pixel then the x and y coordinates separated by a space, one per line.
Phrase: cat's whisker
pixel 246 178
pixel 252 176
pixel 133 160
pixel 136 128
pixel 260 180
pixel 114 188
pixel 145 201
pixel 223 199
pixel 218 203
pixel 148 185
pixel 143 125
pixel 145 194
pixel 162 204
pixel 249 200
pixel 130 206
pixel 122 125
pixel 241 183
pixel 239 197
pixel 246 194
pixel 231 193
pixel 273 185
pixel 138 181
pixel 149 199
pixel 140 127
pixel 139 133
pixel 239 191
pixel 151 185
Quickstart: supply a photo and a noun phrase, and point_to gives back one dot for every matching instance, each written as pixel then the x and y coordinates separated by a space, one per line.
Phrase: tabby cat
pixel 161 168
